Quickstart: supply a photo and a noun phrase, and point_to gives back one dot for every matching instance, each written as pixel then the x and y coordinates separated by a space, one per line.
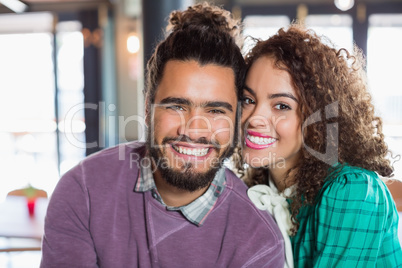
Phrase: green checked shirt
pixel 353 224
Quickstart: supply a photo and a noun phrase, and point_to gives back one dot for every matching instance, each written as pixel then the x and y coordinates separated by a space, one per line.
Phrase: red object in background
pixel 31 206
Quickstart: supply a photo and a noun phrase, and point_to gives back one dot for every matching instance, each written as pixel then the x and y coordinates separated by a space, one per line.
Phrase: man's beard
pixel 185 177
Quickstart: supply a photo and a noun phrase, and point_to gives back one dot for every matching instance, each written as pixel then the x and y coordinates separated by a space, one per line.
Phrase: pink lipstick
pixel 258 141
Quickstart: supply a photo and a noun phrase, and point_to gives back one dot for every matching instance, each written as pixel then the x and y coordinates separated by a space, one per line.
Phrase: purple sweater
pixel 95 219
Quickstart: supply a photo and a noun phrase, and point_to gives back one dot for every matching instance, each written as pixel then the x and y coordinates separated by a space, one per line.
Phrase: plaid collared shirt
pixel 354 224
pixel 195 212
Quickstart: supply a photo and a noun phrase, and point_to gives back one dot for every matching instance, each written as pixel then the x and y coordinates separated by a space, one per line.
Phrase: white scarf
pixel 268 198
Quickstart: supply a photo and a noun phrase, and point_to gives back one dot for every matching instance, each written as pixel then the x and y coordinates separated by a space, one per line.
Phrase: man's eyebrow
pixel 286 95
pixel 171 100
pixel 218 104
pixel 208 104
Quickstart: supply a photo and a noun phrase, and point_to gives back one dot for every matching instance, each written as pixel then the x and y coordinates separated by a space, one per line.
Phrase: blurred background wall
pixel 72 71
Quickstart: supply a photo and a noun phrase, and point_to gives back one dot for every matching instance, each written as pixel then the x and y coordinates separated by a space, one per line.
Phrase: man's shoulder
pixel 241 202
pixel 232 178
pixel 131 151
pixel 123 158
pixel 256 228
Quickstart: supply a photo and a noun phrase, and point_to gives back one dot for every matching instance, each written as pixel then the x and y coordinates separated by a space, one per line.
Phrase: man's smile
pixel 191 151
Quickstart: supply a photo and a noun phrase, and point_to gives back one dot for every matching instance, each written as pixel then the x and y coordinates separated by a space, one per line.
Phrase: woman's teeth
pixel 188 151
pixel 260 140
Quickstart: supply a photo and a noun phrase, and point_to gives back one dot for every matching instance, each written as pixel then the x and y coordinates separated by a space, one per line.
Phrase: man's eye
pixel 175 107
pixel 217 111
pixel 282 106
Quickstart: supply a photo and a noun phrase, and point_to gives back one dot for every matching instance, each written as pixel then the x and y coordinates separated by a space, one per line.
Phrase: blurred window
pixel 261 27
pixel 384 56
pixel 33 151
pixel 70 69
pixel 337 28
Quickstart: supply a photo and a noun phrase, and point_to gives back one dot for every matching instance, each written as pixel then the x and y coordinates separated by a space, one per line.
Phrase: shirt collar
pixel 197 211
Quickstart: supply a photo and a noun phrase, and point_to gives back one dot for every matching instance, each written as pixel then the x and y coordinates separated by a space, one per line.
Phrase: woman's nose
pixel 259 118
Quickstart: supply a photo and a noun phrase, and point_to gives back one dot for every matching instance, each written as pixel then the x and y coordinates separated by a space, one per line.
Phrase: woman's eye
pixel 282 106
pixel 247 100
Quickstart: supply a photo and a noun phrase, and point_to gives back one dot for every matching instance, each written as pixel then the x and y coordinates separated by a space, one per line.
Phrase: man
pixel 169 202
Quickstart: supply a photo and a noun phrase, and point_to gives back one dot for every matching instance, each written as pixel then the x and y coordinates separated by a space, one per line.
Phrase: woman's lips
pixel 258 141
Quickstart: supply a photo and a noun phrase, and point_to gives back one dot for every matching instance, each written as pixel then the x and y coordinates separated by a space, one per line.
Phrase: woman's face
pixel 272 129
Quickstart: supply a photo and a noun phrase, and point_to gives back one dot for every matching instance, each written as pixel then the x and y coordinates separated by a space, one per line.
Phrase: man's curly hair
pixel 326 80
pixel 208 16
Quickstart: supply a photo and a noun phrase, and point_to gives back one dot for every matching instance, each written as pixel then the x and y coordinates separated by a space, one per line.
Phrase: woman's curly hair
pixel 335 109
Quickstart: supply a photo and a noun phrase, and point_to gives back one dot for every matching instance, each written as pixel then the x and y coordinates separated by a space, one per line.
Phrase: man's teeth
pixel 260 140
pixel 188 151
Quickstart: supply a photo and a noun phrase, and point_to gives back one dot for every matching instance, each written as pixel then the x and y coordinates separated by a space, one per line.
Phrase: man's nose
pixel 195 127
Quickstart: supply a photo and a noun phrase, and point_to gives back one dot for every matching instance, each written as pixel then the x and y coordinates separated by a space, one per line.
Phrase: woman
pixel 311 136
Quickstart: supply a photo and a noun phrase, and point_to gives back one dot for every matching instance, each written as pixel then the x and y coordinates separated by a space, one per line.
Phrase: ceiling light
pixel 15 5
pixel 344 4
pixel 133 43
